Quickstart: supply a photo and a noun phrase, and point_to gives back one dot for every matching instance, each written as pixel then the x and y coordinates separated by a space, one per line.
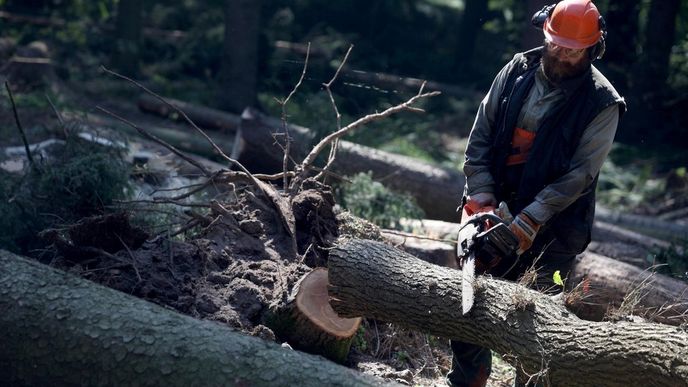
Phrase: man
pixel 538 142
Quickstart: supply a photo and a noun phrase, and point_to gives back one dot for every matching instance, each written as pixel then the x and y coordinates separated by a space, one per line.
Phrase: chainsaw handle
pixel 482 221
pixel 472 207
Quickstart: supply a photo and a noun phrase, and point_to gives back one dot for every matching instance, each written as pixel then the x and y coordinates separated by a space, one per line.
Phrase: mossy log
pixel 60 329
pixel 535 331
pixel 308 322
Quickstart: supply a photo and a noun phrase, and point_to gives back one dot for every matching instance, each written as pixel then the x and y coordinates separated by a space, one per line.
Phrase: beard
pixel 557 70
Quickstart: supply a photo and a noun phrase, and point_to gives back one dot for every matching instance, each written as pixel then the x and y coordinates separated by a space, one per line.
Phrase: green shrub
pixel 77 180
pixel 372 201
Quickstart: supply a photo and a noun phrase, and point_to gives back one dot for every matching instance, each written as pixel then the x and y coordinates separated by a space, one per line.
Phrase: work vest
pixel 553 147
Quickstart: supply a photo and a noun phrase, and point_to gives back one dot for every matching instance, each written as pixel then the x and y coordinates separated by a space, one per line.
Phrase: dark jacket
pixel 557 139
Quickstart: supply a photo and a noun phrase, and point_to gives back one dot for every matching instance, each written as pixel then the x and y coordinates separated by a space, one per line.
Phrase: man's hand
pixel 483 199
pixel 525 230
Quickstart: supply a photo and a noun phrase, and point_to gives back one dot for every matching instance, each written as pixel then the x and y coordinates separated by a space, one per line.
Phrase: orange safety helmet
pixel 574 24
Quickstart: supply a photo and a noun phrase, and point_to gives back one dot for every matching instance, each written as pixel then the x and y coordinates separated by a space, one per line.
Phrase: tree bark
pixel 374 280
pixel 614 288
pixel 437 190
pixel 60 328
pixel 239 70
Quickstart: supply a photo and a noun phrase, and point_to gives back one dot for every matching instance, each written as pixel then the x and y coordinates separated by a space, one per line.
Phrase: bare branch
pixel 186 118
pixel 329 84
pixel 57 113
pixel 333 149
pixel 310 158
pixel 287 139
pixel 19 126
pixel 160 141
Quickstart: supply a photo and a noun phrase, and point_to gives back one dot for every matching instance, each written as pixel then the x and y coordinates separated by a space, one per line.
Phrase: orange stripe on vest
pixel 520 146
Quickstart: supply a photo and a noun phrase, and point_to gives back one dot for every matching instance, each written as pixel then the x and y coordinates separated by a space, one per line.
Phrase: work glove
pixel 483 199
pixel 525 230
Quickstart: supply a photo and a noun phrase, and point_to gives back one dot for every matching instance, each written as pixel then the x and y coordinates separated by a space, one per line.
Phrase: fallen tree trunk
pixel 307 321
pixel 649 225
pixel 437 190
pixel 607 239
pixel 202 116
pixel 619 289
pixel 60 328
pixel 382 80
pixel 377 281
pixel 613 289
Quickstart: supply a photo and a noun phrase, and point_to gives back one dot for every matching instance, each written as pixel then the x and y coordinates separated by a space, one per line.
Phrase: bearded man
pixel 538 142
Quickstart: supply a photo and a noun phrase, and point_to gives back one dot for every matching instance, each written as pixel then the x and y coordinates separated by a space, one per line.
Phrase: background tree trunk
pixel 239 69
pixel 622 42
pixel 377 281
pixel 648 91
pixel 58 328
pixel 474 16
pixel 128 28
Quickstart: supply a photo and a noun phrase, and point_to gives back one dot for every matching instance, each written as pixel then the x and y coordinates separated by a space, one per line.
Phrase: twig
pixel 414 236
pixel 133 260
pixel 310 158
pixel 57 113
pixel 163 201
pixel 329 84
pixel 287 146
pixel 335 143
pixel 160 141
pixel 191 224
pixel 19 126
pixel 186 118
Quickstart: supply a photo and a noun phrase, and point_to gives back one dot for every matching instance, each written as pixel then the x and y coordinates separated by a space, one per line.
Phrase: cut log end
pixel 313 301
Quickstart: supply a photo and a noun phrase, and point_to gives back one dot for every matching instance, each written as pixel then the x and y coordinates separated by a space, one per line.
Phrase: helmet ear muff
pixel 539 18
pixel 601 46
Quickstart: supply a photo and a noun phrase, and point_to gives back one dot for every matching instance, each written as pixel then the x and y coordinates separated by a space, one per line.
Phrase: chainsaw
pixel 484 240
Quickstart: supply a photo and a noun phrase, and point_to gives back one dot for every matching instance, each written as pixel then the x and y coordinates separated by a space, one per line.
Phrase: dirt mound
pixel 239 263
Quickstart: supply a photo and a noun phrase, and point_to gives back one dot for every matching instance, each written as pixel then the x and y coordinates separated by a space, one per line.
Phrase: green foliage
pixel 360 342
pixel 372 201
pixel 75 181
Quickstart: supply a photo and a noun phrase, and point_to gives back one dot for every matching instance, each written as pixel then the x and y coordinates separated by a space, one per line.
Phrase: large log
pixel 613 288
pixel 204 117
pixel 437 190
pixel 57 328
pixel 536 332
pixel 620 288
